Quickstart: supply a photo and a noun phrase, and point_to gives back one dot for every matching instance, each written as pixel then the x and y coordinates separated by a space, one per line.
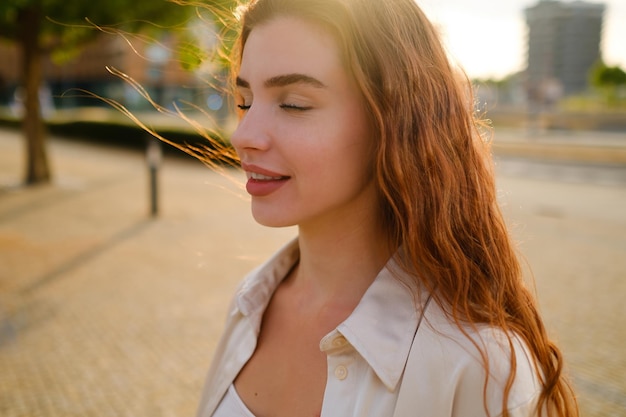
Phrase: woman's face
pixel 303 138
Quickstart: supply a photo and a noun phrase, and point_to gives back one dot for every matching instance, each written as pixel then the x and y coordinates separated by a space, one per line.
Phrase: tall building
pixel 563 45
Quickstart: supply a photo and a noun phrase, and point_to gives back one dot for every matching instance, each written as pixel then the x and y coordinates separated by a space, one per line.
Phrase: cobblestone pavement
pixel 107 312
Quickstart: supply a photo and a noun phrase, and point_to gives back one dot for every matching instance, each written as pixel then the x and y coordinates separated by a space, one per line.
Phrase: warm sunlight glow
pixel 488 37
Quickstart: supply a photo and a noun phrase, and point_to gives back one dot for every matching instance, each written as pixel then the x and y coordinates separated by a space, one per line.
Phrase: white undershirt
pixel 232 405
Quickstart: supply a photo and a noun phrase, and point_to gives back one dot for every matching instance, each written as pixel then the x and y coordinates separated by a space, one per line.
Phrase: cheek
pixel 352 161
pixel 361 147
pixel 340 143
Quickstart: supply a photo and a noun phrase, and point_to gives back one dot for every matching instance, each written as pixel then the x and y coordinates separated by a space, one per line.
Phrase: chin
pixel 267 220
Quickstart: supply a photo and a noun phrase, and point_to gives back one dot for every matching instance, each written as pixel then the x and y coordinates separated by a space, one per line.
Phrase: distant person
pixel 46 101
pixel 402 294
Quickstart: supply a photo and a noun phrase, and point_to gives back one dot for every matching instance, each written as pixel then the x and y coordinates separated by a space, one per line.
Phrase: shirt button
pixel 341 372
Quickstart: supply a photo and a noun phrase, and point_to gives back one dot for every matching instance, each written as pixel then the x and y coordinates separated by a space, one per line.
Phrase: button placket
pixel 340 355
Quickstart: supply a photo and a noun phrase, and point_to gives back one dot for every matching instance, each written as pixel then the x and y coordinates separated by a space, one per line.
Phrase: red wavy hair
pixel 434 171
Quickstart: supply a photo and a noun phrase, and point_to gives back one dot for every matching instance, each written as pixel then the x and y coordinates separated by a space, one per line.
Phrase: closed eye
pixel 294 107
pixel 244 106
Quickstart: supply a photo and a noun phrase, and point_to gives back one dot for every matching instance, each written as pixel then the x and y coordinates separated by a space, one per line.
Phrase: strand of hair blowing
pixel 439 191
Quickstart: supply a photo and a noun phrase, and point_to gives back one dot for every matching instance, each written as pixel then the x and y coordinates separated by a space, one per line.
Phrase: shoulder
pixel 466 366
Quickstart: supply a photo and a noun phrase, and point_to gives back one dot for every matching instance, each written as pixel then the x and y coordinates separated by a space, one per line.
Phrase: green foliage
pixel 607 76
pixel 609 80
pixel 191 56
pixel 68 24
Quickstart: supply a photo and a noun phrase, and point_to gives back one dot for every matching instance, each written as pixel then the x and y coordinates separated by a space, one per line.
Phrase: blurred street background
pixel 118 257
pixel 107 311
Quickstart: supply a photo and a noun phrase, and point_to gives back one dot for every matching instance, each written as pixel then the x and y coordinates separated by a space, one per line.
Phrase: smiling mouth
pixel 262 185
pixel 260 177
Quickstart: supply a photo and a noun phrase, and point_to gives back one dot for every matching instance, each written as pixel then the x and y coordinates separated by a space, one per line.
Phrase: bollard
pixel 153 157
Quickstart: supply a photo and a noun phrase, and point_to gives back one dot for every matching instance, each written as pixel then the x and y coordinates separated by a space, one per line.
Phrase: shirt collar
pixel 382 326
pixel 259 285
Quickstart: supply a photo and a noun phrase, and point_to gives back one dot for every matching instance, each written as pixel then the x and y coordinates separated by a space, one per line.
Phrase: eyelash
pixel 294 107
pixel 245 107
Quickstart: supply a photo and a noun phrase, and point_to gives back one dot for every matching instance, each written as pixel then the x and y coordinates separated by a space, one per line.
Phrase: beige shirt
pixel 367 353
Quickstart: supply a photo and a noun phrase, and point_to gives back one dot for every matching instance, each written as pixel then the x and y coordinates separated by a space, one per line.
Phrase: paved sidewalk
pixel 106 312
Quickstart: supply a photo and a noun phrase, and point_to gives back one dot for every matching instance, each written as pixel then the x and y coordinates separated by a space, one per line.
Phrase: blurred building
pixel 563 45
pixel 154 67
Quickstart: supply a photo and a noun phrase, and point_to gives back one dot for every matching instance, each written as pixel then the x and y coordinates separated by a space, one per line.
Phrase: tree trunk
pixel 37 169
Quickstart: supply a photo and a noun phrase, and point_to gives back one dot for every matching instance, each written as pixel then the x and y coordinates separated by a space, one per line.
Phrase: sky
pixel 488 37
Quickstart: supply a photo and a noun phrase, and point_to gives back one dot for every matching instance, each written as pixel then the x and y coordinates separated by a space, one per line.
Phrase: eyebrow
pixel 285 80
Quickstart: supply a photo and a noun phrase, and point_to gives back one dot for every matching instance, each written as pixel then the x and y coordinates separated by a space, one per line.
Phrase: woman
pixel 355 128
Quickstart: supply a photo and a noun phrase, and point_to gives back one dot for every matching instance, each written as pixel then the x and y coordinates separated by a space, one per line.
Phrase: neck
pixel 339 261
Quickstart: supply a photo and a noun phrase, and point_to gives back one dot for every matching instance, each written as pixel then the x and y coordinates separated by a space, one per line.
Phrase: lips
pixel 262 182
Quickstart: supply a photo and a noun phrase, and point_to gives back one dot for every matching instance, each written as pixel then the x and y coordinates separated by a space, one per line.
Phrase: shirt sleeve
pixel 471 397
pixel 446 371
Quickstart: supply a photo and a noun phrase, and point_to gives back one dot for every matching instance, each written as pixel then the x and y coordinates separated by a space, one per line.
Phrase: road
pixel 105 311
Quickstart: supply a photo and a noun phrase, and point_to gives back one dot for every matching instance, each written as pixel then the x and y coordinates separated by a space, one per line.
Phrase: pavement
pixel 107 311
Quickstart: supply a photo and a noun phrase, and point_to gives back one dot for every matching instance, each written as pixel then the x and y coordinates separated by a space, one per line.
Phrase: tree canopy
pixel 608 76
pixel 610 80
pixel 63 23
pixel 59 28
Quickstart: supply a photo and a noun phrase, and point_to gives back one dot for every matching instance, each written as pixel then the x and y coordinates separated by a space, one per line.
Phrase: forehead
pixel 286 45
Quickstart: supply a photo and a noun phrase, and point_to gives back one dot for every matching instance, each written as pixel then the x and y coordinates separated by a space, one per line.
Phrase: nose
pixel 252 132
